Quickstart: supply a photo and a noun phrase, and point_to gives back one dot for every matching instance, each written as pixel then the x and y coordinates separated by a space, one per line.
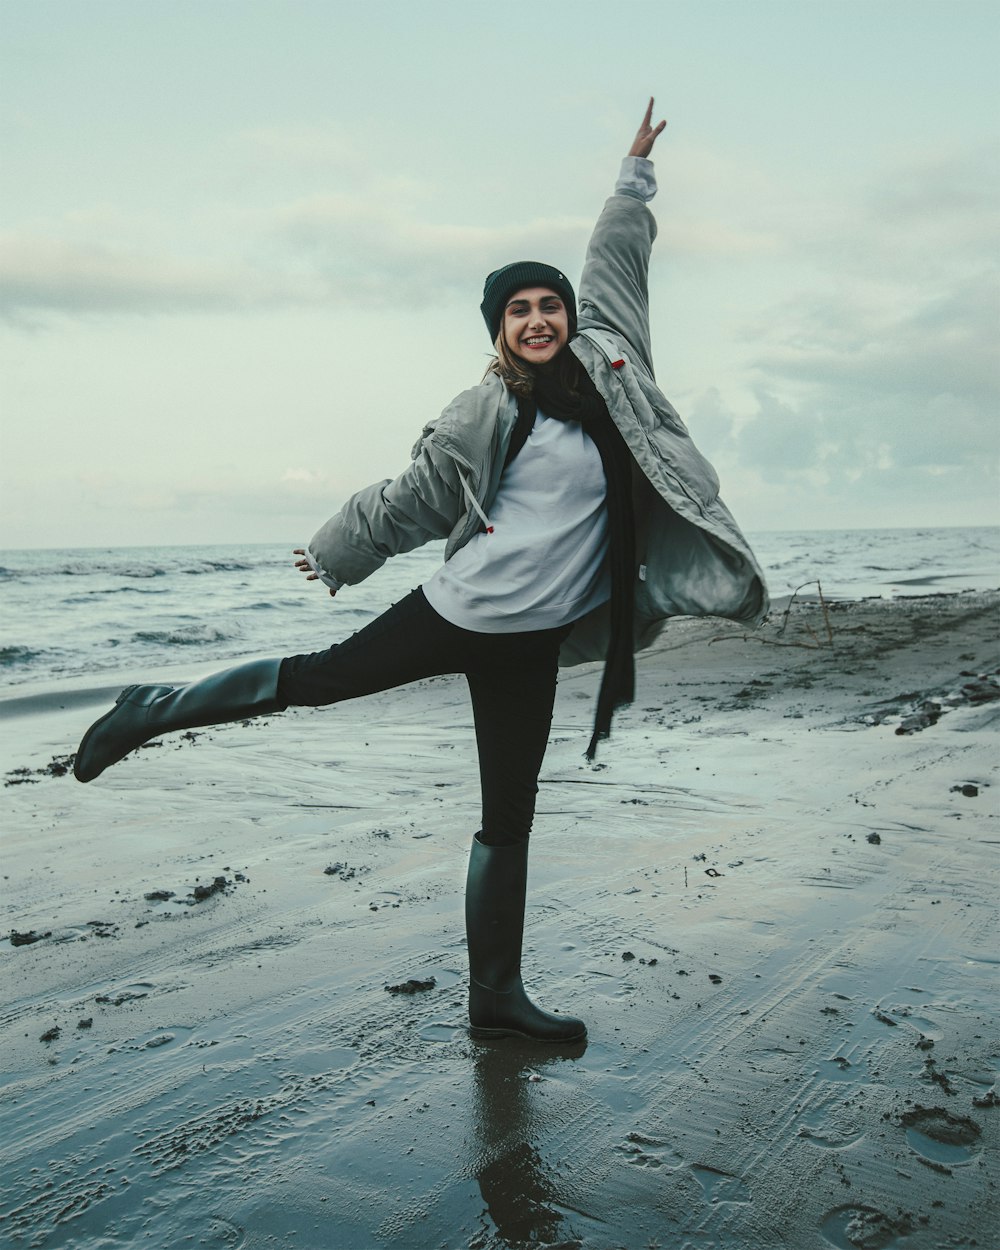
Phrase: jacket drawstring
pixel 471 496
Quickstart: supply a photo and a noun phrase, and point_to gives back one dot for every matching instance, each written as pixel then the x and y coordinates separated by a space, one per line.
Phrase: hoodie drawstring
pixel 470 495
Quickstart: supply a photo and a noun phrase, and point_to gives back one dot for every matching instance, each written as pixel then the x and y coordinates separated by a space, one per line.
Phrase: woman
pixel 578 517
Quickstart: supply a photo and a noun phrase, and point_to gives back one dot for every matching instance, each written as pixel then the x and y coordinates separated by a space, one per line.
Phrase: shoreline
pixel 770 899
pixel 43 694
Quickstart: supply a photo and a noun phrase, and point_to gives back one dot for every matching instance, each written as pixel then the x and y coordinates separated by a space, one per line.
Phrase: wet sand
pixel 776 912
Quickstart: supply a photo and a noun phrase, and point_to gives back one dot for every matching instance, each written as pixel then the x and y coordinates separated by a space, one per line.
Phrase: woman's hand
pixel 304 566
pixel 647 134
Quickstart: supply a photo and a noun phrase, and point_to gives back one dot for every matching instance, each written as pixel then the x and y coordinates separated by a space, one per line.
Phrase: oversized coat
pixel 691 558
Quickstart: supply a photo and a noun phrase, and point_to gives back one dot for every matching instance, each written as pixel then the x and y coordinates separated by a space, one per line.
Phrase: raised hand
pixel 647 133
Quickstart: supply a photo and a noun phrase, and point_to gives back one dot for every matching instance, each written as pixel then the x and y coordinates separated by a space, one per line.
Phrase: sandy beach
pixel 772 898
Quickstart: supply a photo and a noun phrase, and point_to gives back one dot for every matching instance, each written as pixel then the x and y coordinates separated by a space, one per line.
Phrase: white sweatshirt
pixel 542 563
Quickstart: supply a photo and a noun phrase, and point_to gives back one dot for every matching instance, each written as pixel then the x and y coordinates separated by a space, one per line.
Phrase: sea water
pixel 93 613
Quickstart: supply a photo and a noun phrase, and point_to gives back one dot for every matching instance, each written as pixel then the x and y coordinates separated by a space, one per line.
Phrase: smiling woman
pixel 530 311
pixel 578 517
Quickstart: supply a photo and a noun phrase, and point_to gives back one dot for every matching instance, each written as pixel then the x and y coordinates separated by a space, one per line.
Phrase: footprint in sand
pixel 863 1228
pixel 819 1130
pixel 839 1068
pixel 937 1136
pixel 439 1032
pixel 649 1152
pixel 130 994
pixel 223 1233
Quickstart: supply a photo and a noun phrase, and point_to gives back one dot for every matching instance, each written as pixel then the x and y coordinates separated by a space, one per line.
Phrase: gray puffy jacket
pixel 692 559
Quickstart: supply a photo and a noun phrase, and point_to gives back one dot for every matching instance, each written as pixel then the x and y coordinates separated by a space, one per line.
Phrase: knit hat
pixel 502 283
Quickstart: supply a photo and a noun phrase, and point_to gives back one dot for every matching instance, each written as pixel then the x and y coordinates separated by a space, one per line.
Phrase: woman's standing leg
pixel 513 688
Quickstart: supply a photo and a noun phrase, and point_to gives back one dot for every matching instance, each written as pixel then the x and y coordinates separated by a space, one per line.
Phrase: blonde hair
pixel 517 373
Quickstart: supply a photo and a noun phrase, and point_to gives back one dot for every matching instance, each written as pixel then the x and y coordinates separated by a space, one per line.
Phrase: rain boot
pixel 494 925
pixel 144 712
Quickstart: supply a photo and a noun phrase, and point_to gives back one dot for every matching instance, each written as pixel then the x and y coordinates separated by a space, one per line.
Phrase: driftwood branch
pixel 817 642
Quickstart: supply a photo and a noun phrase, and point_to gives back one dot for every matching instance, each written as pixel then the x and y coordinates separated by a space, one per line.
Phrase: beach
pixel 233 1005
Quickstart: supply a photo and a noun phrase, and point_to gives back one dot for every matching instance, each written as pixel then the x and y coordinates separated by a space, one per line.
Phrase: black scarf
pixel 565 391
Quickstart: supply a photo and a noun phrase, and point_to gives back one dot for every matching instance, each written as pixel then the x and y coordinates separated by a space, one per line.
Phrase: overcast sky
pixel 243 245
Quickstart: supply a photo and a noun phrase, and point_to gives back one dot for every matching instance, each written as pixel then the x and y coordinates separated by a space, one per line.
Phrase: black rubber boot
pixel 144 712
pixel 494 924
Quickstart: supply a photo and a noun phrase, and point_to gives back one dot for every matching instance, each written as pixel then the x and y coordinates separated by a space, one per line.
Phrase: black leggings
pixel 512 680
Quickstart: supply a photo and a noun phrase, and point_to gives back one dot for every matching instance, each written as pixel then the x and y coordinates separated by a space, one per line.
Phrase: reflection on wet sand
pixel 518 1186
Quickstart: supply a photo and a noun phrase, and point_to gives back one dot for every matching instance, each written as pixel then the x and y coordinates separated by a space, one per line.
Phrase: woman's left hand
pixel 647 134
pixel 304 566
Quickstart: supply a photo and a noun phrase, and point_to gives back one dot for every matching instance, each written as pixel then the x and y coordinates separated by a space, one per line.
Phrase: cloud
pixel 320 146
pixel 920 221
pixel 711 422
pixel 862 407
pixel 374 242
pixel 706 238
pixel 378 253
pixel 779 440
pixel 833 438
pixel 47 274
pixel 950 197
pixel 942 345
pixel 295 492
pixel 884 370
pixel 810 463
pixel 327 250
pixel 718 204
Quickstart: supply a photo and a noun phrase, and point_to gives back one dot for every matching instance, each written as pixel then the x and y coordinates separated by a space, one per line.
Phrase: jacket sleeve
pixel 613 288
pixel 391 517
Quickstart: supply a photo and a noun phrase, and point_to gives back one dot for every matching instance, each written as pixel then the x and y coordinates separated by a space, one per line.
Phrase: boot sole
pixel 485 1035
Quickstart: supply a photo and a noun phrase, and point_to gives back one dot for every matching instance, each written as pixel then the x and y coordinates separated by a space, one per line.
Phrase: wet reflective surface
pixel 519 1187
pixel 788 1050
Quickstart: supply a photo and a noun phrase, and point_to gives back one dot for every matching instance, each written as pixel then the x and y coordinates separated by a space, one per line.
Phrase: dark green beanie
pixel 502 283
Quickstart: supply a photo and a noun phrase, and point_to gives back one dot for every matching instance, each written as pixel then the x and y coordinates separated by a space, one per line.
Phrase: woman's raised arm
pixel 613 293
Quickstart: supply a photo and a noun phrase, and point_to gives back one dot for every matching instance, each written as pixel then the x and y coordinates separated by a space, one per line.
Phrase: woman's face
pixel 535 324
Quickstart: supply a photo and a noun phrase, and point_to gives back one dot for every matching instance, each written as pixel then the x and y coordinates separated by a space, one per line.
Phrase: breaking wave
pixel 12 656
pixel 183 636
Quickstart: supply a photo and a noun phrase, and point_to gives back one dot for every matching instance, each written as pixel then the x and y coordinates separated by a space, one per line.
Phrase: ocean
pixel 100 613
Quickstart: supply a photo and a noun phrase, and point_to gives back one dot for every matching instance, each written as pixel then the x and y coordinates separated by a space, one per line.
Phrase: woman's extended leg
pixel 513 690
pixel 144 712
pixel 407 642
